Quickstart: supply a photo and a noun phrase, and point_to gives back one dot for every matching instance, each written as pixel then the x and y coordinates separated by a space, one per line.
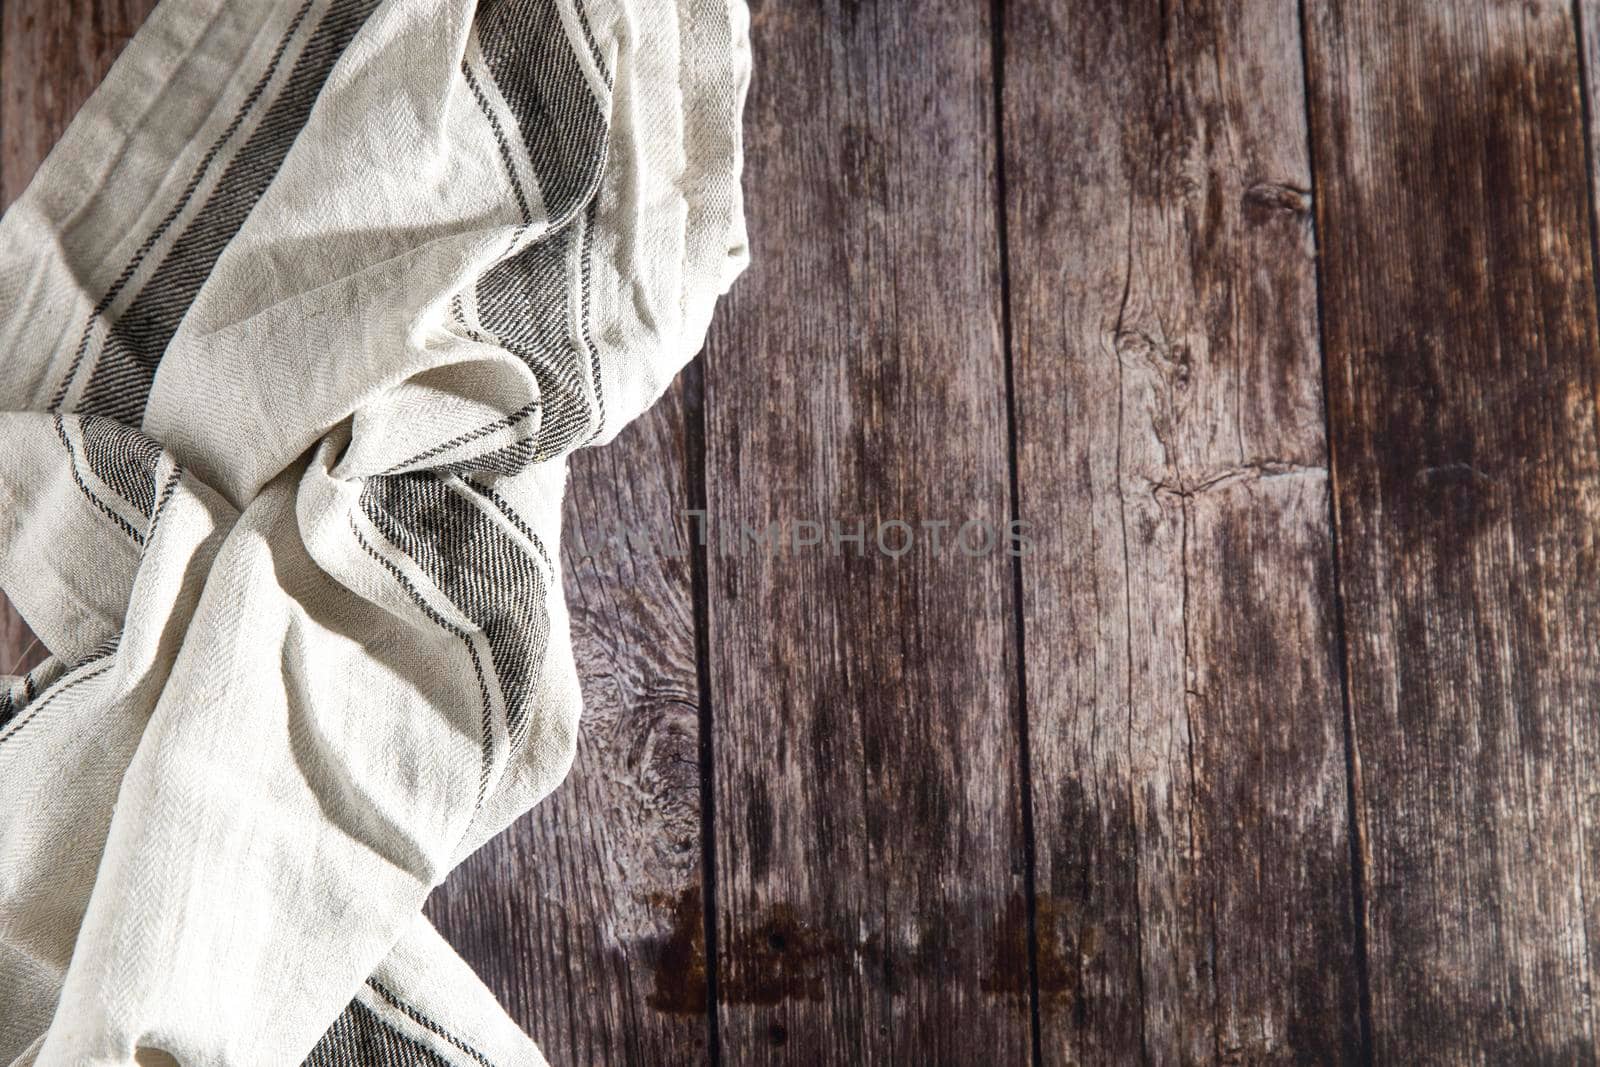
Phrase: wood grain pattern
pixel 1194 889
pixel 586 917
pixel 870 875
pixel 52 55
pixel 1461 343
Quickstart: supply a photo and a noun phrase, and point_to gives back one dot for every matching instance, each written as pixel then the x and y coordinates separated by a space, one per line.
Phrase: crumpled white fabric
pixel 298 324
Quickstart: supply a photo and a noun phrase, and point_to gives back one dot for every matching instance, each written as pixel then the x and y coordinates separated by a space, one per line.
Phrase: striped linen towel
pixel 299 322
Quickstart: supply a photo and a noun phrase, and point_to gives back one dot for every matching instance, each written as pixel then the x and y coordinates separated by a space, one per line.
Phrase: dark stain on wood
pixel 1460 337
pixel 1183 690
pixel 786 958
pixel 679 960
pixel 1058 963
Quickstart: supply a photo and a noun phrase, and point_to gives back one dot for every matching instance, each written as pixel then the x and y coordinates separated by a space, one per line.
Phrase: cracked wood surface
pixel 1193 869
pixel 1140 840
pixel 871 878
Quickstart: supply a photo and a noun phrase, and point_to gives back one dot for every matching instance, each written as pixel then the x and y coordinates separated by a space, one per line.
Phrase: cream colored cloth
pixel 299 322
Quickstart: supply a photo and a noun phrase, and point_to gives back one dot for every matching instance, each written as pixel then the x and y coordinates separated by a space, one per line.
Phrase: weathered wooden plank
pixel 52 55
pixel 870 874
pixel 1186 725
pixel 586 917
pixel 1461 343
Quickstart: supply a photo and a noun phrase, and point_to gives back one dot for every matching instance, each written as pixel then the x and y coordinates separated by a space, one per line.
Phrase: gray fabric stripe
pixel 527 411
pixel 121 381
pixel 485 573
pixel 358 1038
pixel 524 299
pixel 588 39
pixel 16 697
pixel 504 507
pixel 63 684
pixel 526 49
pixel 585 259
pixel 506 461
pixel 448 627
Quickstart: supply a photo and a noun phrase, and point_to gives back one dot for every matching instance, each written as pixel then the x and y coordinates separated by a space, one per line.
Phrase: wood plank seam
pixel 1358 866
pixel 997 68
pixel 700 587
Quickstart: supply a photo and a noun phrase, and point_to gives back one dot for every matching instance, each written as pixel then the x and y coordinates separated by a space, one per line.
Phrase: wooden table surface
pixel 1278 324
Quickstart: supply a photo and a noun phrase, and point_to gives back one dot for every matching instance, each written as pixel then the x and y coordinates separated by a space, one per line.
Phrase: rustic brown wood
pixel 1461 343
pixel 869 853
pixel 1188 769
pixel 52 55
pixel 586 918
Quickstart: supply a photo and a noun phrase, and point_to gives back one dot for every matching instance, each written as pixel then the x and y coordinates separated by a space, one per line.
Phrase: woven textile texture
pixel 299 323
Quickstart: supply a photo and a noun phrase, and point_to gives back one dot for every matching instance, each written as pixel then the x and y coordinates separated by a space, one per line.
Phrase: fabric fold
pixel 301 320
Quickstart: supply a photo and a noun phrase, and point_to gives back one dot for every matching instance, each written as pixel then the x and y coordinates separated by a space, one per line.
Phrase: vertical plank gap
pixel 699 582
pixel 1358 868
pixel 1587 113
pixel 1584 81
pixel 997 71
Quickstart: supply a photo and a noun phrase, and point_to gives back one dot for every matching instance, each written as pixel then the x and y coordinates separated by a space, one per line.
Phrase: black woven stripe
pixel 507 460
pixel 111 294
pixel 416 1016
pixel 121 381
pixel 481 569
pixel 524 301
pixel 450 628
pixel 526 49
pixel 77 476
pixel 166 495
pixel 588 39
pixel 123 458
pixel 500 139
pixel 358 1038
pixel 67 681
pixel 502 423
pixel 489 493
pixel 585 259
